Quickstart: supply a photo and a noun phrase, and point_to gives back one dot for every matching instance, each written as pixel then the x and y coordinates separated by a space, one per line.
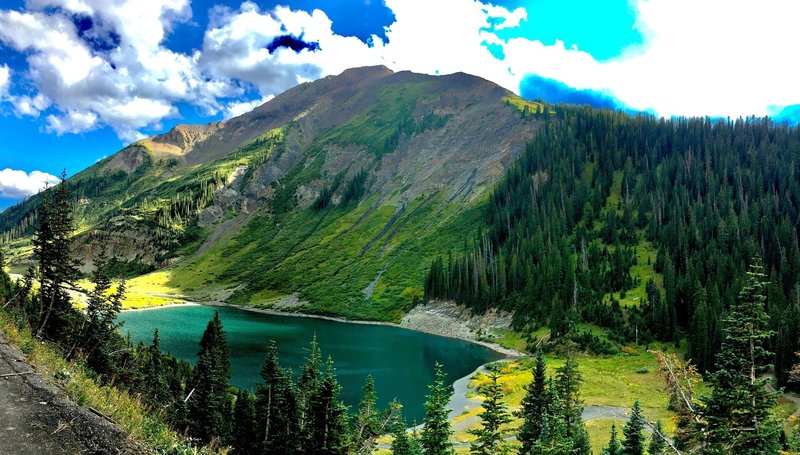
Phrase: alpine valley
pixel 655 252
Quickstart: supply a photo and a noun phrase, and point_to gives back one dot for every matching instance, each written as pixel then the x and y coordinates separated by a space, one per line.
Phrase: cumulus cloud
pixel 20 184
pixel 237 108
pixel 106 62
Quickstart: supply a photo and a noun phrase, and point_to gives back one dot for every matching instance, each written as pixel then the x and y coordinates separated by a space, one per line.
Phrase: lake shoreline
pixel 506 352
pixel 458 403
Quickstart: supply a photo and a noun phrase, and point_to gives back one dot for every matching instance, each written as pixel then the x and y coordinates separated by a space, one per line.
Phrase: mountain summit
pixel 328 193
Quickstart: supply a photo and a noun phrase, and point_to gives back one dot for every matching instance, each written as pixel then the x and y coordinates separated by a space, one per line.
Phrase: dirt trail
pixel 37 417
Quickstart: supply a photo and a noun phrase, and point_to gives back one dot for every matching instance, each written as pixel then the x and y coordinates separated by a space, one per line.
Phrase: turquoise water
pixel 401 361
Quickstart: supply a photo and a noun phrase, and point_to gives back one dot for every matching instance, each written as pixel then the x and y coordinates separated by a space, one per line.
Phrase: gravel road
pixel 36 417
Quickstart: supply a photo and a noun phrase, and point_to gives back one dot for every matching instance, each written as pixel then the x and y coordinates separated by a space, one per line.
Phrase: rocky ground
pixel 36 417
pixel 457 321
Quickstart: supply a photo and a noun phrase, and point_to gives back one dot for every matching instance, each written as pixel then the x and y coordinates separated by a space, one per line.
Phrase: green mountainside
pixel 362 194
pixel 334 193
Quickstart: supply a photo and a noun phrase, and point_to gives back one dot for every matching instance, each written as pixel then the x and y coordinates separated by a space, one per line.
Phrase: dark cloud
pixel 553 91
pixel 290 42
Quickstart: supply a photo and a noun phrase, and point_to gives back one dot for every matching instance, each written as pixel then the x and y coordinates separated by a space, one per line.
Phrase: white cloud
pixel 20 184
pixel 698 58
pixel 5 79
pixel 237 108
pixel 132 83
pixel 72 122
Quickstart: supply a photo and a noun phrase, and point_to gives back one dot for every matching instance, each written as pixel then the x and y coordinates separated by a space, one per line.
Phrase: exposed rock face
pixel 127 160
pixel 450 319
pixel 180 140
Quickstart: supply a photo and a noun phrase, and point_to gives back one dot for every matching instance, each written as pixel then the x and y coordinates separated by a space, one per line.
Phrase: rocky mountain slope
pixel 336 192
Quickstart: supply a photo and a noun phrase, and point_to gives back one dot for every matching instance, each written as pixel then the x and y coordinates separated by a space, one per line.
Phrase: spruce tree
pixel 328 417
pixel 277 425
pixel 490 437
pixel 534 405
pixel 657 445
pixel 737 413
pixel 55 317
pixel 403 442
pixel 436 431
pixel 244 424
pixel 154 383
pixel 633 443
pixel 552 439
pixel 102 309
pixel 568 383
pixel 366 423
pixel 307 390
pixel 613 447
pixel 266 394
pixel 210 401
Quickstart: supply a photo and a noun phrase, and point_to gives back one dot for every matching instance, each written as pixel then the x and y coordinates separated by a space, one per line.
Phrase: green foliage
pixel 355 188
pixel 244 428
pixel 367 423
pixel 657 444
pixel 436 431
pixel 491 436
pixel 567 226
pixel 210 402
pixel 633 443
pixel 99 338
pixel 53 314
pixel 737 413
pixel 568 383
pixel 613 447
pixel 534 406
pixel 403 442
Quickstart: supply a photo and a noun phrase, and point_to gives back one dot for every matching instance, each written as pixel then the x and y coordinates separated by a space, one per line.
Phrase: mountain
pixel 333 193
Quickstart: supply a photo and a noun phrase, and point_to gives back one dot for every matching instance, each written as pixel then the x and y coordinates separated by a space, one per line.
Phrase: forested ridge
pixel 568 224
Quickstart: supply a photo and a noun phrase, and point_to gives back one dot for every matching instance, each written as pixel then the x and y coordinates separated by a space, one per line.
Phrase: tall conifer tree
pixel 436 431
pixel 737 414
pixel 490 437
pixel 210 401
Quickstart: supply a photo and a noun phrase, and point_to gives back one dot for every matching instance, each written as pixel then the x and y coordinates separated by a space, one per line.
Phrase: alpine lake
pixel 401 361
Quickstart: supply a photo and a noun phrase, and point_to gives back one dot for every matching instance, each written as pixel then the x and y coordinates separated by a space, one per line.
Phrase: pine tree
pixel 568 383
pixel 534 406
pixel 102 309
pixel 366 423
pixel 154 382
pixel 266 394
pixel 490 437
pixel 657 445
pixel 210 401
pixel 307 389
pixel 436 431
pixel 403 443
pixel 328 417
pixel 277 425
pixel 613 447
pixel 244 424
pixel 738 411
pixel 553 439
pixel 57 269
pixel 633 443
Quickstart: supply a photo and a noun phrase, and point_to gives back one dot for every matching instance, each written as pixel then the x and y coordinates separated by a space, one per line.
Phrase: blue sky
pixel 79 79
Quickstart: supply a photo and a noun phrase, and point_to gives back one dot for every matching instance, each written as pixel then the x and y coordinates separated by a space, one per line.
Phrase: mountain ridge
pixel 371 161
